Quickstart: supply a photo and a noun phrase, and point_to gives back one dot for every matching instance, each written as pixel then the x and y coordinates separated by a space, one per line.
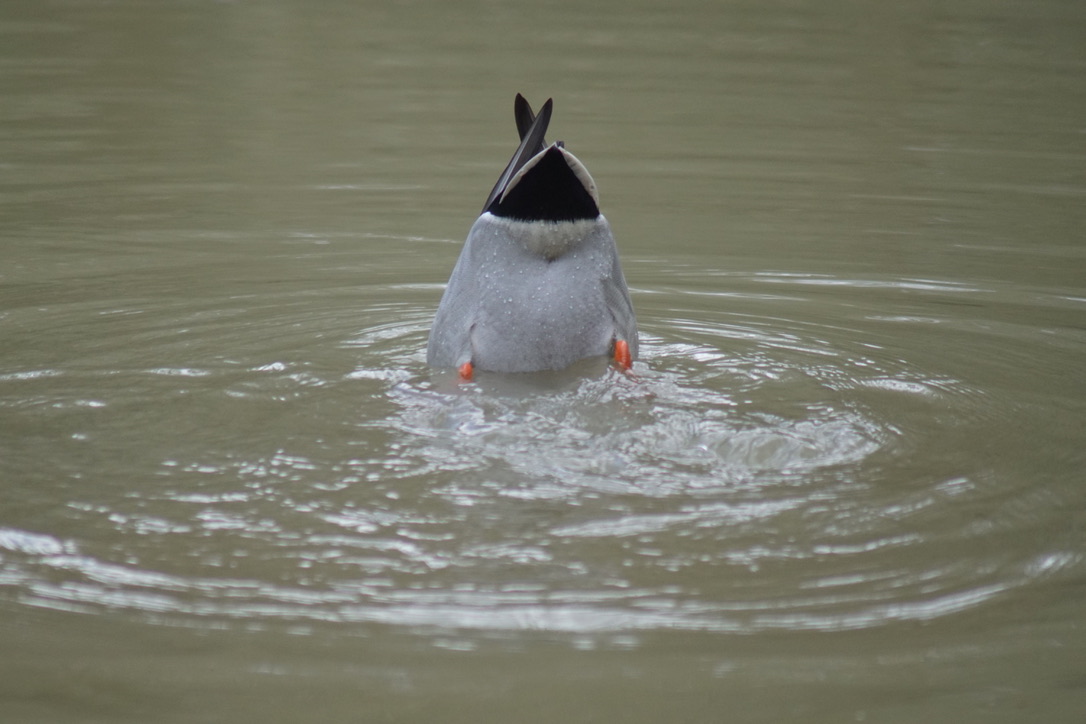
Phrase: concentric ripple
pixel 752 472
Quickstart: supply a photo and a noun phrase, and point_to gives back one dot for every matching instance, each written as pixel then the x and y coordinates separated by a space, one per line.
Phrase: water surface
pixel 843 483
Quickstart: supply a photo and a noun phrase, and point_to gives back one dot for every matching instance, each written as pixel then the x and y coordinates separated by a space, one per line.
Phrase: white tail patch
pixel 548 239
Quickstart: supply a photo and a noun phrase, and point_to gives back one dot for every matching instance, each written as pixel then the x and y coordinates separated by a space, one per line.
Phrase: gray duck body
pixel 538 285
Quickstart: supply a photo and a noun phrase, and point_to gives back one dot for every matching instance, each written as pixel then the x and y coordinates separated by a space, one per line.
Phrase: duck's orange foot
pixel 467 371
pixel 622 354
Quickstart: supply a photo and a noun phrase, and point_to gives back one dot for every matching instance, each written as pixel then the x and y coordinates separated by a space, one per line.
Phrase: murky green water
pixel 844 483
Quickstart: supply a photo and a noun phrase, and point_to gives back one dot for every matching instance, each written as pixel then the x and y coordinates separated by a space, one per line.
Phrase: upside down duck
pixel 538 285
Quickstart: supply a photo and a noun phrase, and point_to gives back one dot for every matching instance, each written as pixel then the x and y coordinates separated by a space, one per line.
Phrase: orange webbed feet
pixel 622 354
pixel 467 371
